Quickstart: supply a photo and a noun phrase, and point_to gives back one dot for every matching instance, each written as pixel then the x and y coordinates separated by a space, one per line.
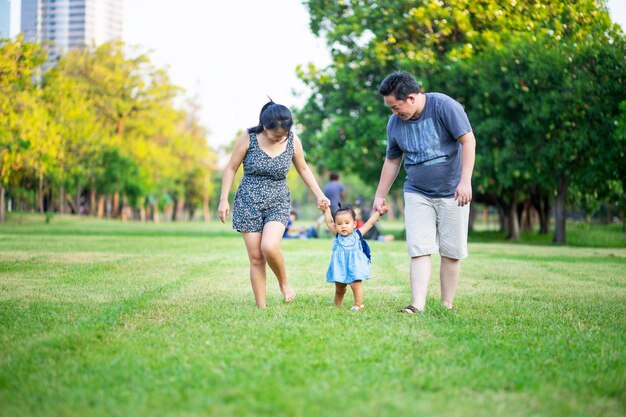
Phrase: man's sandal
pixel 409 310
pixel 357 308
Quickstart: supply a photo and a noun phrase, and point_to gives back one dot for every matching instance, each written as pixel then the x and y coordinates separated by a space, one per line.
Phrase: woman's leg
pixel 271 238
pixel 340 291
pixel 257 266
pixel 357 290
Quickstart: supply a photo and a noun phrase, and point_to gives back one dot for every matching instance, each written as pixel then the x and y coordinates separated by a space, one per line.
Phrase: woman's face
pixel 344 223
pixel 276 135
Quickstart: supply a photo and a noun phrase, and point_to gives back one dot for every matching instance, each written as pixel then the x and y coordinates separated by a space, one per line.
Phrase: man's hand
pixel 463 193
pixel 380 205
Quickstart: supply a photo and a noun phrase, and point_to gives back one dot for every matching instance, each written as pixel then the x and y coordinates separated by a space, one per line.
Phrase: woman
pixel 263 201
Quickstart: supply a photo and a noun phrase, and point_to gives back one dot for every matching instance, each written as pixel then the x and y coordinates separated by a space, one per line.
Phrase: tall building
pixel 5 19
pixel 63 25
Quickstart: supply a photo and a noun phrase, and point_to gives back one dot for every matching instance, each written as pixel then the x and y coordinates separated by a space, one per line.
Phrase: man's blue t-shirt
pixel 432 154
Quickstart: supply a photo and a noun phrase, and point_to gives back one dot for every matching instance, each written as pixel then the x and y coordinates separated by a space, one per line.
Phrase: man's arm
pixel 388 175
pixel 463 192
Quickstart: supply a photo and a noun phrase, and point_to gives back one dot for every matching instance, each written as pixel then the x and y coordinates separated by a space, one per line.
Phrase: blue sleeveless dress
pixel 348 262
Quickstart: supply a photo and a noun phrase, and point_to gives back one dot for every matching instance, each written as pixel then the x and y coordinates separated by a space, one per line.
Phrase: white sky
pixel 232 54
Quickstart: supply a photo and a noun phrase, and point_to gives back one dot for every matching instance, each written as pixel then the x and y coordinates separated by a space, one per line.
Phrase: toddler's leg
pixel 357 290
pixel 340 291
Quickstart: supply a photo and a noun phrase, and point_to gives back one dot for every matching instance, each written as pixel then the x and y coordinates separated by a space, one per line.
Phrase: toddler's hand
pixel 323 203
pixel 380 205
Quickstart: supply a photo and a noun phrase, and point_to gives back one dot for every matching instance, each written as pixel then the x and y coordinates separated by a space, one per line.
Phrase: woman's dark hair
pixel 400 84
pixel 273 116
pixel 345 209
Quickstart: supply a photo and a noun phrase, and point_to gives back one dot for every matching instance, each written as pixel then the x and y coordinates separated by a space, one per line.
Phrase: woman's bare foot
pixel 288 293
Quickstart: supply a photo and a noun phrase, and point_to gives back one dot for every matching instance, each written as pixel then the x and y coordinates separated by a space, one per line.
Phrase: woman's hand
pixel 223 210
pixel 323 202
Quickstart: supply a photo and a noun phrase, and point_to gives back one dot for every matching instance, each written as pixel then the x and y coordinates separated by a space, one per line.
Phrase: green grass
pixel 100 318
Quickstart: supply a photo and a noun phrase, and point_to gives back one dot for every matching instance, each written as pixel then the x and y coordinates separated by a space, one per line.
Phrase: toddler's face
pixel 344 223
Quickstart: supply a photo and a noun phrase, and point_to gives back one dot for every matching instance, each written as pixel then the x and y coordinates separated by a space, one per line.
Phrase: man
pixel 334 190
pixel 435 137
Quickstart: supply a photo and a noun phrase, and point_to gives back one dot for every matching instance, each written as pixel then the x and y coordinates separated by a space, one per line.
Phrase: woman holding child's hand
pixel 263 201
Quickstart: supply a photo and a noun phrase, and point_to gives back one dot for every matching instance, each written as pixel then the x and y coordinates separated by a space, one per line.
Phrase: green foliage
pixel 102 121
pixel 21 113
pixel 540 81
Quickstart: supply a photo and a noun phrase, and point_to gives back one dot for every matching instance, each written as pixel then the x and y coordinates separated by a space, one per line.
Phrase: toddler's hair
pixel 346 209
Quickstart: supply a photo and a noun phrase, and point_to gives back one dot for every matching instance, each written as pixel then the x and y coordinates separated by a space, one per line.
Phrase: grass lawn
pixel 100 318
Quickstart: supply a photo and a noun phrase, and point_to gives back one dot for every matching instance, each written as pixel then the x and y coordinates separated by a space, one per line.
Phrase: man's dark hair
pixel 400 84
pixel 334 176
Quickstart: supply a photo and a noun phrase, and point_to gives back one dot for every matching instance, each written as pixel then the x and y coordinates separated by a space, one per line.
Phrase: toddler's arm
pixel 330 223
pixel 370 222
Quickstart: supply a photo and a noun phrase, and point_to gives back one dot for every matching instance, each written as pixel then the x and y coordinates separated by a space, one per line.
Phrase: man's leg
pixel 449 278
pixel 421 235
pixel 420 270
pixel 453 227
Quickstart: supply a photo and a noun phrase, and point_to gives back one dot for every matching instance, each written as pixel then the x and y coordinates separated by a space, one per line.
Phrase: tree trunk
pixel 2 212
pixel 180 209
pixel 101 207
pixel 513 220
pixel 503 219
pixel 77 204
pixel 126 213
pixel 155 211
pixel 116 204
pixel 70 203
pixel 542 205
pixel 40 200
pixel 62 200
pixel 559 209
pixel 526 216
pixel 92 203
pixel 175 208
pixel 142 213
pixel 206 211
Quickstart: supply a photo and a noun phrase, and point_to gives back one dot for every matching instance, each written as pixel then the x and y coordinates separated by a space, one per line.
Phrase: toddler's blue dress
pixel 348 263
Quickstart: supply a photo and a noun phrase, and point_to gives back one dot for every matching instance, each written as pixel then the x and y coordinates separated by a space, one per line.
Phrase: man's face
pixel 404 109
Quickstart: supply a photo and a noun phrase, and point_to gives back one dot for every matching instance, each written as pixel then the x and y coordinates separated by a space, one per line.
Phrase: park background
pixel 122 295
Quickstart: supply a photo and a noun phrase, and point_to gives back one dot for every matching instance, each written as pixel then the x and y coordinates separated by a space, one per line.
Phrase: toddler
pixel 349 264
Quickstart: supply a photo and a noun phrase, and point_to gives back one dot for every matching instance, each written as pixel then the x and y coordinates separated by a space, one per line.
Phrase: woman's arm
pixel 371 221
pixel 307 176
pixel 330 223
pixel 239 152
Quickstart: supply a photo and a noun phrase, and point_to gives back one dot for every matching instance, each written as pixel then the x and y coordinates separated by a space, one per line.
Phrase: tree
pixel 21 113
pixel 368 39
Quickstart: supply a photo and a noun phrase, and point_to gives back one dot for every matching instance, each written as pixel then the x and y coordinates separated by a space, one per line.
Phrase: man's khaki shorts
pixel 435 225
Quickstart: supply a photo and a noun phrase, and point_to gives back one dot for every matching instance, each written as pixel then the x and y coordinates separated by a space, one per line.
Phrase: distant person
pixel 433 135
pixel 294 232
pixel 334 190
pixel 263 201
pixel 350 259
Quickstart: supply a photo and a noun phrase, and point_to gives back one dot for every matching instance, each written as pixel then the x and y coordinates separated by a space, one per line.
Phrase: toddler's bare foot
pixel 288 293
